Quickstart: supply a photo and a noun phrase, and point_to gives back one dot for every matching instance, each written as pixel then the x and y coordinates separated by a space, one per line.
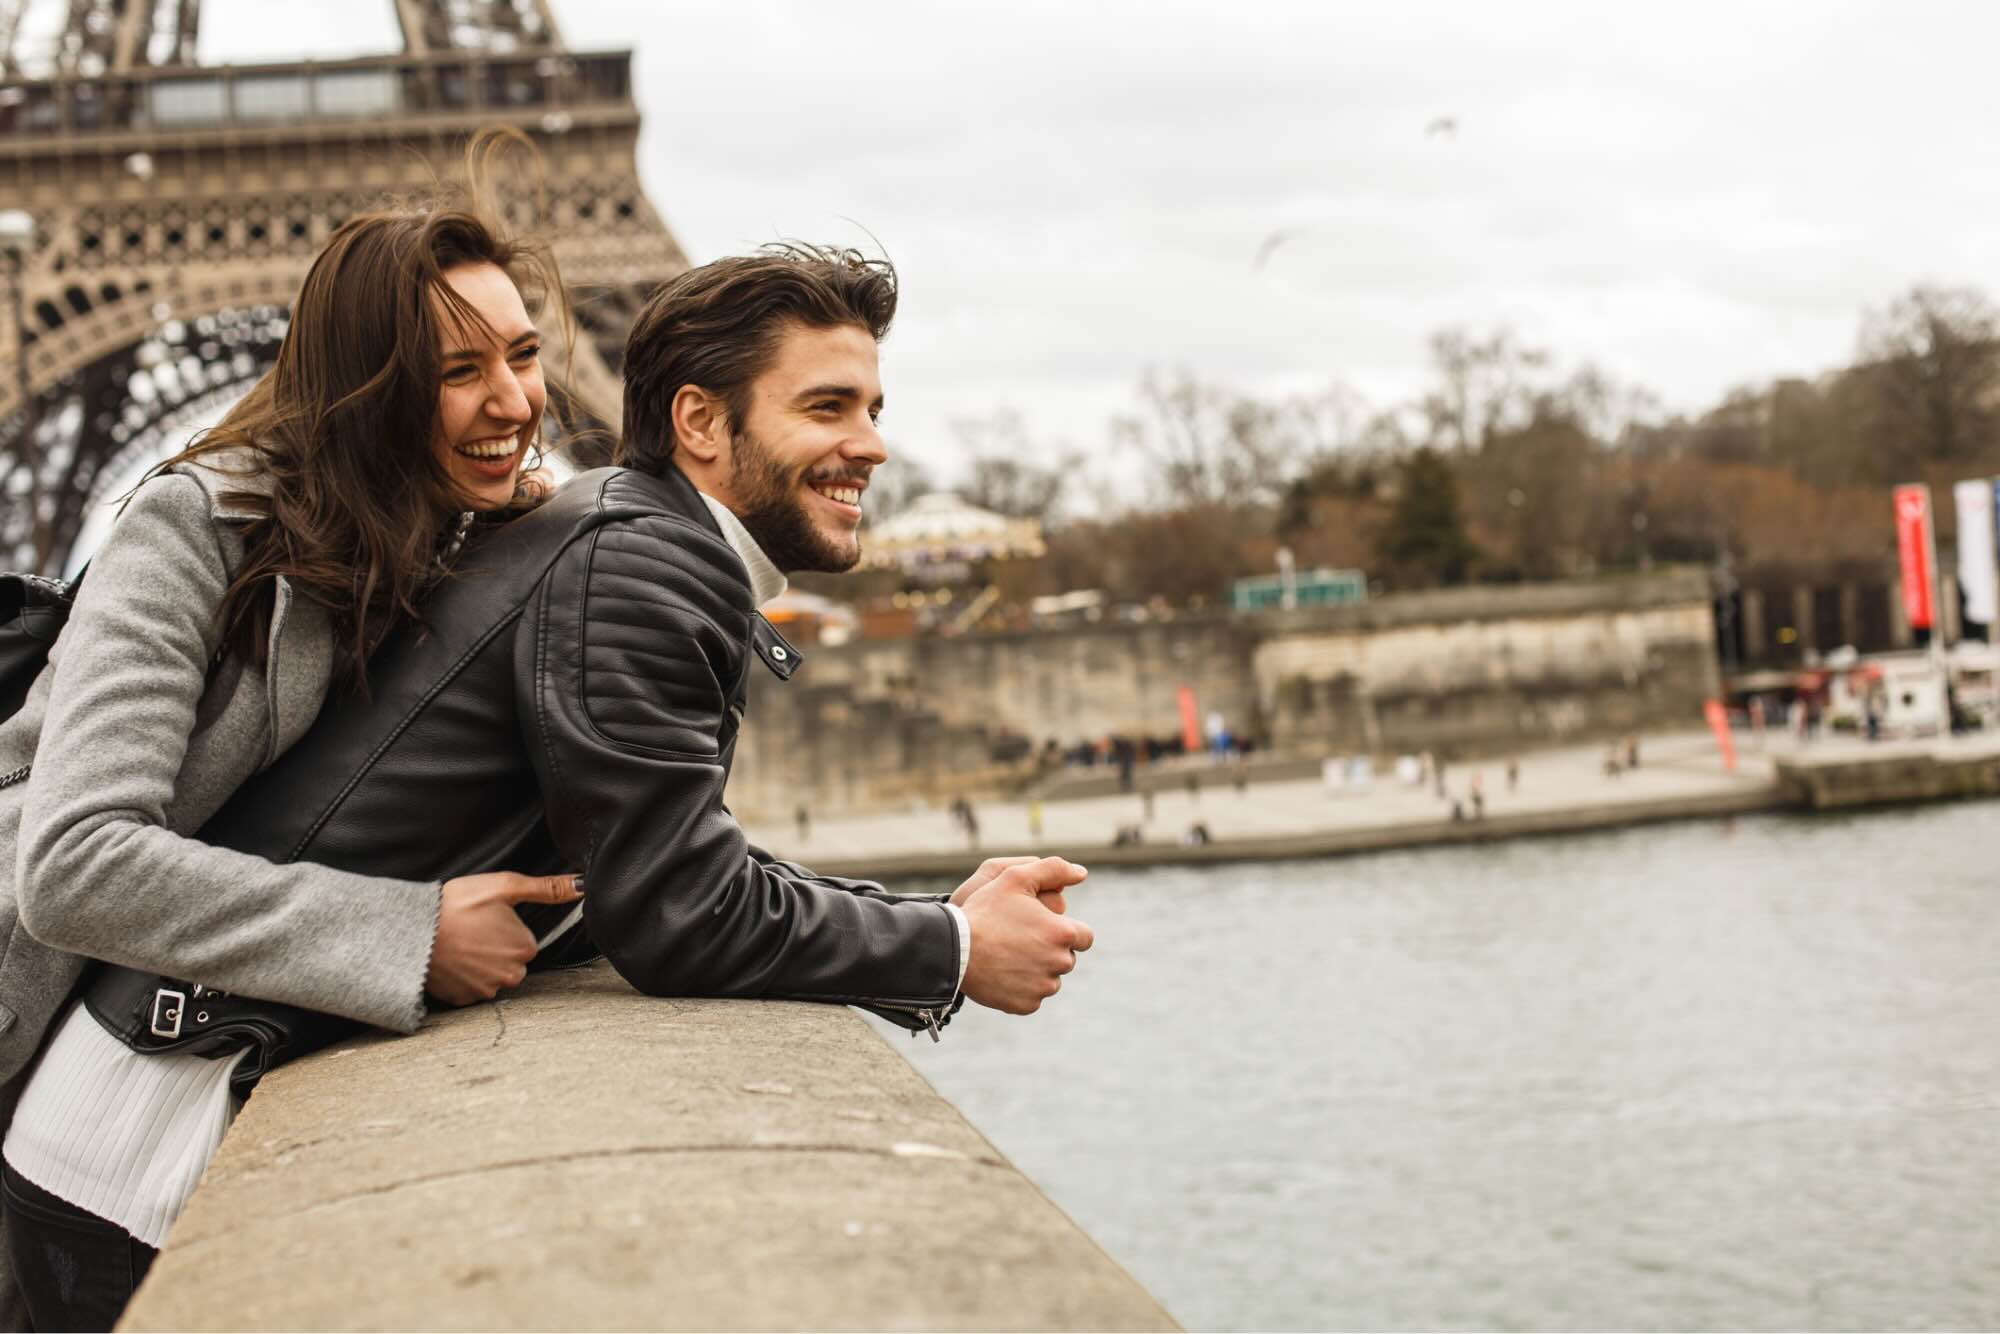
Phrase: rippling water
pixel 1712 1075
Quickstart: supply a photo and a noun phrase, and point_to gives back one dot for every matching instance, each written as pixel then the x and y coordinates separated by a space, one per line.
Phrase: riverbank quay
pixel 579 1156
pixel 1680 776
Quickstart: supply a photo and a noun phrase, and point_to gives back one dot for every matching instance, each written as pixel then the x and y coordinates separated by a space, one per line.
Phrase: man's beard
pixel 774 510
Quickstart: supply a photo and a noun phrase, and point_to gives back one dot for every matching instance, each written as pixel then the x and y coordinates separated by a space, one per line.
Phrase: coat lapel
pixel 300 665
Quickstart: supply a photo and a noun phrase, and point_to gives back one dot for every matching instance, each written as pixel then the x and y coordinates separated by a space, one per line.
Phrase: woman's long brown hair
pixel 359 506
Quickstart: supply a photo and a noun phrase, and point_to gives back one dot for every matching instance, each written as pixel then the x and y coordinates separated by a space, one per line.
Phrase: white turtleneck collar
pixel 766 579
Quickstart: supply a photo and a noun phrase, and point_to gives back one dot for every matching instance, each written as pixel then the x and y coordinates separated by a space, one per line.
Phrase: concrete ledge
pixel 582 1157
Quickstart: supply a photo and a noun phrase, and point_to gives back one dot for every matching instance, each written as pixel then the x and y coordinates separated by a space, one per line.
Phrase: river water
pixel 1712 1075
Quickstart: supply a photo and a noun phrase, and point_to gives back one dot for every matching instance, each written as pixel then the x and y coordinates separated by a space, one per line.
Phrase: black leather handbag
pixel 150 1014
pixel 33 611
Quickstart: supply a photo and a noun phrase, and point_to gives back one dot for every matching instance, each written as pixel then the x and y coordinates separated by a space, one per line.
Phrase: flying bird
pixel 1271 243
pixel 1447 126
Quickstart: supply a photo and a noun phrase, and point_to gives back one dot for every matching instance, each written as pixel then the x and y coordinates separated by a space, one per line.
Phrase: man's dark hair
pixel 718 327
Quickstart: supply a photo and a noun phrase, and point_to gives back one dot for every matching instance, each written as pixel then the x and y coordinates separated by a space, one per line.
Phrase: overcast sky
pixel 1690 195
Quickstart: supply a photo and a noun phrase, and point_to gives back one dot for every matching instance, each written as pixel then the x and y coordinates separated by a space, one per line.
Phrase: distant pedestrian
pixel 1437 774
pixel 804 819
pixel 1632 751
pixel 1146 803
pixel 1034 817
pixel 1193 784
pixel 1513 773
pixel 970 818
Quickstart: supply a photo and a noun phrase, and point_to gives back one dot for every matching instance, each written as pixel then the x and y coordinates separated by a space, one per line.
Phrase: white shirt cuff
pixel 964 945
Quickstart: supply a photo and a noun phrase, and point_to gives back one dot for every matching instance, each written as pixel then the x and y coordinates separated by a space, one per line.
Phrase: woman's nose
pixel 508 401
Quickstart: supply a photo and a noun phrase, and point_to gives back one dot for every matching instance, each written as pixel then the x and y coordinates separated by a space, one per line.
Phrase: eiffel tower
pixel 171 210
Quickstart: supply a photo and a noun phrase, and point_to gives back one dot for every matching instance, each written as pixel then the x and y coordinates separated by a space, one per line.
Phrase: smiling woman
pixel 492 395
pixel 246 578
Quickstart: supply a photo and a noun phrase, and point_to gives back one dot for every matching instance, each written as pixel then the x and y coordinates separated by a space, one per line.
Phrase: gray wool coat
pixel 133 742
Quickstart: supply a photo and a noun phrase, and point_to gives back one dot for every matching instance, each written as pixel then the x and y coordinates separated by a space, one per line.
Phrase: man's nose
pixel 866 446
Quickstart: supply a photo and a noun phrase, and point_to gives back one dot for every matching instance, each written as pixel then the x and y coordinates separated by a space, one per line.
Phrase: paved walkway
pixel 1679 774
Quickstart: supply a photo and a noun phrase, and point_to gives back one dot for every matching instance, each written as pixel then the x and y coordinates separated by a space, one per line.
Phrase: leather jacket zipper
pixel 928 1020
pixel 19 775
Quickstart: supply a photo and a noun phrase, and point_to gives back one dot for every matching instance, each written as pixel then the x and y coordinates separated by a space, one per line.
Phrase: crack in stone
pixel 501 1036
pixel 585 1155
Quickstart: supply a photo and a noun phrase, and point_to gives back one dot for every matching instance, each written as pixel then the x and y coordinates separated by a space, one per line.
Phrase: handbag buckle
pixel 168 1007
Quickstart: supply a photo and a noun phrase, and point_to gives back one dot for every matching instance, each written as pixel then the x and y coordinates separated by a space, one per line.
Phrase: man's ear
pixel 700 422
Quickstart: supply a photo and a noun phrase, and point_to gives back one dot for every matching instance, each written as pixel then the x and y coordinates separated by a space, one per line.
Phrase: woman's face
pixel 490 391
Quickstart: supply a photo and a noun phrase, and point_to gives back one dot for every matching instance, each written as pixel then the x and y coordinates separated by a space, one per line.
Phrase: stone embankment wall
pixel 1483 669
pixel 1889 780
pixel 878 722
pixel 579 1156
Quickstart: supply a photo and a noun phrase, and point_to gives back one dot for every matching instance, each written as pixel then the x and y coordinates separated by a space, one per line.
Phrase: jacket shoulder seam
pixel 583 599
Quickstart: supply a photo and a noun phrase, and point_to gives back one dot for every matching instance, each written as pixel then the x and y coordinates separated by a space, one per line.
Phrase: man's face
pixel 800 458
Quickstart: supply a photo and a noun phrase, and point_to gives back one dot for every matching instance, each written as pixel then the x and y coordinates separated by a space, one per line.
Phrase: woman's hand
pixel 482 945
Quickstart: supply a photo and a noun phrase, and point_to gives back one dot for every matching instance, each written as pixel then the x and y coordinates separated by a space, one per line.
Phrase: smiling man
pixel 572 698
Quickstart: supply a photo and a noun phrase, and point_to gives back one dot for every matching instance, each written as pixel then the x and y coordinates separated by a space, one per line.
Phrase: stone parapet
pixel 579 1156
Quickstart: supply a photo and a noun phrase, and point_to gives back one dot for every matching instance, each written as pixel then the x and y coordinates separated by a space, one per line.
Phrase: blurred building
pixel 939 538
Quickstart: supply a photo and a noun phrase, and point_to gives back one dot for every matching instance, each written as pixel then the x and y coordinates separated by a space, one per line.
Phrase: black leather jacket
pixel 572 702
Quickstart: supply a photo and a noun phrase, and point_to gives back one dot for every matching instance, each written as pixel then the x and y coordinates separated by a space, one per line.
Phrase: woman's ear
pixel 700 423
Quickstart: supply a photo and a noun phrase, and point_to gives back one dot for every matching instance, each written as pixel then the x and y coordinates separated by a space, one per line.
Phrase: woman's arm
pixel 102 870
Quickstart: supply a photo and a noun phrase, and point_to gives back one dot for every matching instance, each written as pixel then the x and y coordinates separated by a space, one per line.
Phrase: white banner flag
pixel 1978 578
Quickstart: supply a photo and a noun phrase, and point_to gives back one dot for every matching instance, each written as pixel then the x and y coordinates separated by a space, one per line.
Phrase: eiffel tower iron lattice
pixel 157 216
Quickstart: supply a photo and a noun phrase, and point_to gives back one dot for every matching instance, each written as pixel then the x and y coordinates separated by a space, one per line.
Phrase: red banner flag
pixel 1914 548
pixel 1190 722
pixel 1718 723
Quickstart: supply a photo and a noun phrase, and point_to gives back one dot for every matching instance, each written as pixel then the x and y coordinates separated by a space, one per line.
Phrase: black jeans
pixel 76 1270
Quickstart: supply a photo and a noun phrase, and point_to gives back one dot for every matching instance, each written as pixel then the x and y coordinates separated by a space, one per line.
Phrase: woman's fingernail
pixel 577 881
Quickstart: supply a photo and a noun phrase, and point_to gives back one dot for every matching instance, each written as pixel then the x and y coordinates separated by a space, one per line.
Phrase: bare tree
pixel 1934 359
pixel 1599 405
pixel 1003 470
pixel 1481 386
pixel 1206 445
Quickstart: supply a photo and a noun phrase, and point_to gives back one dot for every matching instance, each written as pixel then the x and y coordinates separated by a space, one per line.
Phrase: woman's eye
pixel 459 374
pixel 528 353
